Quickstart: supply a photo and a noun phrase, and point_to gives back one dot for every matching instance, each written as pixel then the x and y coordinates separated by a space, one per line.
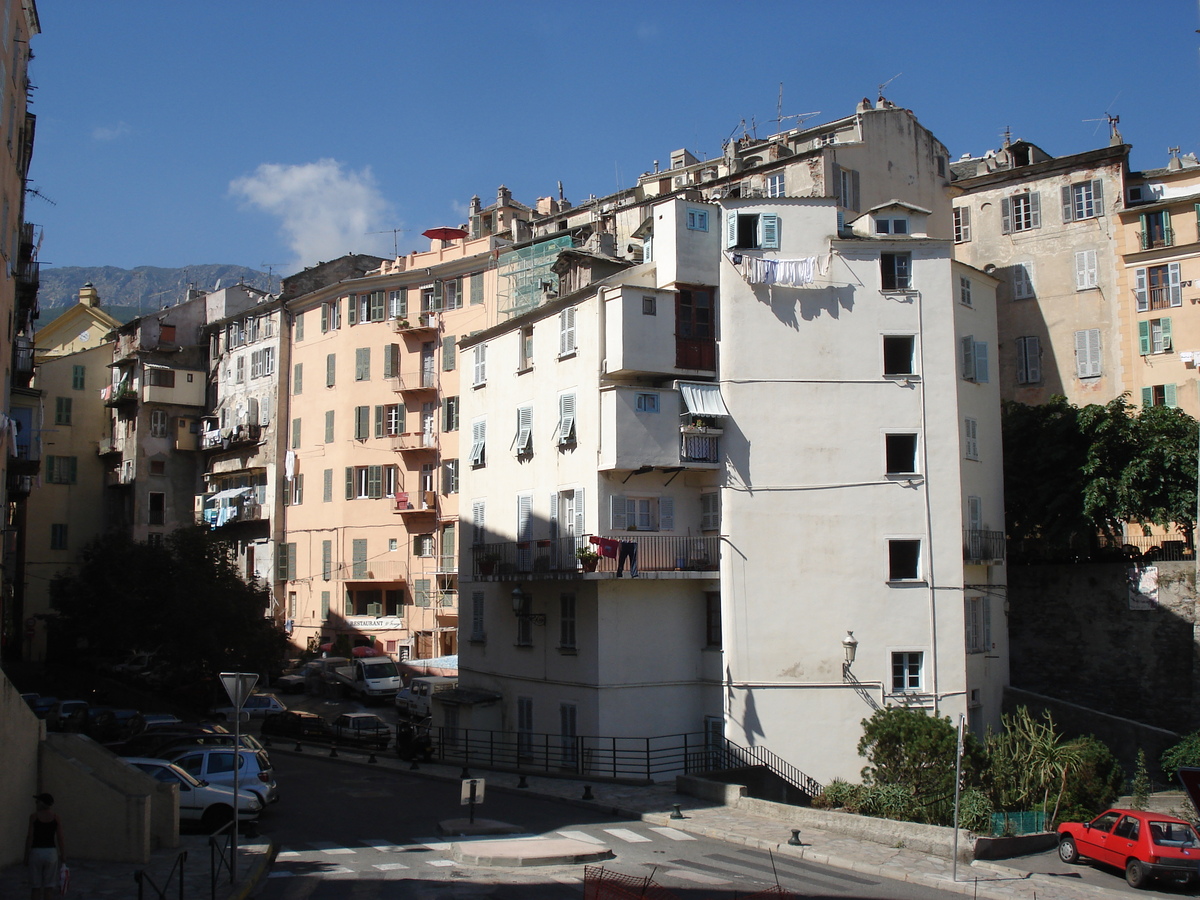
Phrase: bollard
pixel 464 774
pixel 414 765
pixel 522 783
pixel 794 840
pixel 299 749
pixel 372 758
pixel 678 814
pixel 333 754
pixel 587 792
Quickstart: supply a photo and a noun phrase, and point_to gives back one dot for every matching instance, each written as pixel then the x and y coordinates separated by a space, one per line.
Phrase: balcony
pixel 122 477
pixel 107 445
pixel 225 438
pixel 659 556
pixel 415 441
pixel 414 383
pixel 22 361
pixel 983 547
pixel 700 444
pixel 119 394
pixel 416 503
pixel 420 326
pixel 1157 237
pixel 19 486
pixel 380 570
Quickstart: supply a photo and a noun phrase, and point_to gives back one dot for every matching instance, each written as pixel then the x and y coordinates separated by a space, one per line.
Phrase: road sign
pixel 472 791
pixel 238 686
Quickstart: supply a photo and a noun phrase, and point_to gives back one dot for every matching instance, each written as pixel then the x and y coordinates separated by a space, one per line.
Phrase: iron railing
pixel 982 546
pixel 655 553
pixel 725 754
pixel 143 880
pixel 1164 237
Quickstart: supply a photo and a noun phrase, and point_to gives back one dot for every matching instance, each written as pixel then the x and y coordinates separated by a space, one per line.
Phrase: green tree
pixel 183 600
pixel 914 750
pixel 1184 753
pixel 1141 782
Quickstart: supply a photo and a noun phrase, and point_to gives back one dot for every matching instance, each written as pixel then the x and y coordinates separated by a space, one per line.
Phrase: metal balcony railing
pixel 655 553
pixel 982 546
pixel 1164 237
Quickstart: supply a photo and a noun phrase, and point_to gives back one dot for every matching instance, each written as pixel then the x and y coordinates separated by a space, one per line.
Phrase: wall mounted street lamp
pixel 521 602
pixel 850 646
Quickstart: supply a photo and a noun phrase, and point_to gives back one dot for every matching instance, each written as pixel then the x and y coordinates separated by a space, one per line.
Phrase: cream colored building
pixel 80 327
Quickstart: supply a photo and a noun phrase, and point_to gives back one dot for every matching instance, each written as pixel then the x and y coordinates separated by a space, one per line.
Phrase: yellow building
pixel 81 327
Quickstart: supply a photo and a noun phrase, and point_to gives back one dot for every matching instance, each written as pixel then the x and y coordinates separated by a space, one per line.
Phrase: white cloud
pixel 325 210
pixel 110 132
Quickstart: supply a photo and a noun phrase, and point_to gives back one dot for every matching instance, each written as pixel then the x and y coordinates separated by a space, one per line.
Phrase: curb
pixel 257 873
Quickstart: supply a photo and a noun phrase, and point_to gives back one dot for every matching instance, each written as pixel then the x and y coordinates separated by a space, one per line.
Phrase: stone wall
pixel 19 737
pixel 1074 637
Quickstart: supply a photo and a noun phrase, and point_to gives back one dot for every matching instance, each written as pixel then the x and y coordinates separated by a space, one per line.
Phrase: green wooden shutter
pixel 1005 215
pixel 377 306
pixel 477 286
pixel 402 305
pixel 1145 225
pixel 378 421
pixel 1169 395
pixel 324 317
pixel 362 364
pixel 1144 338
pixel 437 295
pixel 359 557
pixel 326 560
pixel 1098 196
pixel 291 561
pixel 1068 206
pixel 1035 209
pixel 324 605
pixel 448 349
pixel 349 482
pixel 375 482
pixel 327 487
pixel 329 426
pixel 281 563
pixel 1165 327
pixel 352 311
pixel 1147 397
pixel 330 370
pixel 421 592
pixel 298 378
pixel 769 227
pixel 362 422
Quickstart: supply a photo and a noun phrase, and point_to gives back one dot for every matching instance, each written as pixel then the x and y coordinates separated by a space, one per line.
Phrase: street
pixel 1093 874
pixel 345 832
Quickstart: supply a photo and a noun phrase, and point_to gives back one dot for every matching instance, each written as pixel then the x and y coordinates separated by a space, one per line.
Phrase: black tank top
pixel 45 833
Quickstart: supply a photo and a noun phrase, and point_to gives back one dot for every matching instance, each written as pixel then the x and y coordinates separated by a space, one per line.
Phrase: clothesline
pixel 801 272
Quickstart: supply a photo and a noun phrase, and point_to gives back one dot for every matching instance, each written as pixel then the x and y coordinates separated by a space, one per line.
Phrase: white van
pixel 415 700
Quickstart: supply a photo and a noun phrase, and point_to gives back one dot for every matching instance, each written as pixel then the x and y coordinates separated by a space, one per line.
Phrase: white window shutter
pixel 1068 205
pixel 1035 209
pixel 566 418
pixel 1139 290
pixel 1169 395
pixel 1093 343
pixel 1080 269
pixel 731 227
pixel 619 508
pixel 1033 359
pixel 579 517
pixel 524 517
pixel 1082 356
pixel 478 511
pixel 1174 280
pixel 666 514
pixel 554 515
pixel 566 331
pixel 525 429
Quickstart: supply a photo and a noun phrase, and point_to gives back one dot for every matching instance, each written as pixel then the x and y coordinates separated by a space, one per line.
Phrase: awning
pixel 228 494
pixel 702 398
pixel 150 365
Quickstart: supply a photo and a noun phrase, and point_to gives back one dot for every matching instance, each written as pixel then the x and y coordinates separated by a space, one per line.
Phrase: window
pixel 900 454
pixel 362 364
pixel 895 271
pixel 848 189
pixel 330 370
pixel 710 511
pixel 58 537
pixel 642 513
pixel 1158 287
pixel 566 332
pixel 78 376
pixel 898 355
pixel 362 423
pixel 299 326
pixel 525 363
pixel 566 619
pixel 480 367
pixel 158 423
pixel 1159 395
pixel 646 402
pixel 1084 200
pixel 159 377
pixel 524 443
pixel 904 560
pixel 327 486
pixel 525 623
pixel 297 496
pixel 241 369
pixel 970 438
pixel 295 434
pixel 298 378
pixel 391 480
pixel 61 469
pixel 906 671
pixel 157 510
pixel 364 482
pixel 1154 336
pixel 1156 230
pixel 262 363
pixel 158 467
pixel 324 605
pixel 285 562
pixel 891 225
pixel 1022 281
pixel 649 306
pixel 697 219
pixel 1086 270
pixel 751 231
pixel 478 455
pixel 978 624
pixel 962 224
pixel 450 476
pixel 478 513
pixel 712 619
pixel 423 546
pixel 974 360
pixel 331 315
pixel 62 411
pixel 1020 212
pixel 566 419
pixel 452 292
pixel 776 185
pixel 964 290
pixel 393 419
pixel 1029 360
pixel 1087 353
pixel 329 415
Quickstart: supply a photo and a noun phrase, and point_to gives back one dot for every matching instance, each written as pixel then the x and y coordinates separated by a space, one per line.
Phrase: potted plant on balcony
pixel 487 562
pixel 588 558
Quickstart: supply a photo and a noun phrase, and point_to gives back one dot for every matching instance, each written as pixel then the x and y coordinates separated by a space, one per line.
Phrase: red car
pixel 1146 845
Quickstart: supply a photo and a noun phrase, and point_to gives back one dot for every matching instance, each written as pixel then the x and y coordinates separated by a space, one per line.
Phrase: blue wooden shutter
pixel 1169 395
pixel 981 362
pixel 731 221
pixel 770 231
pixel 1147 397
pixel 1175 286
pixel 1144 338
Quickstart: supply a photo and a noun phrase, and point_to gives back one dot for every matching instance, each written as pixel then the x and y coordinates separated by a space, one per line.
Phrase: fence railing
pixel 145 882
pixel 725 754
pixel 655 553
pixel 980 546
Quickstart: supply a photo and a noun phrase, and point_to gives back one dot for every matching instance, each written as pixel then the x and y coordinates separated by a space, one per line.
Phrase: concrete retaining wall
pixel 20 734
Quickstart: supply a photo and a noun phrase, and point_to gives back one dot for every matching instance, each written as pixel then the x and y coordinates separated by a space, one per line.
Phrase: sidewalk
pixel 93 880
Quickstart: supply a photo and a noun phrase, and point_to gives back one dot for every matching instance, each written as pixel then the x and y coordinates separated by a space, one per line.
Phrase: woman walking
pixel 45 850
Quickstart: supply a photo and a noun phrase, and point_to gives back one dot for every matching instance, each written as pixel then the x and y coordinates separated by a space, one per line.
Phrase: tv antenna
pixel 886 83
pixel 270 274
pixel 1114 135
pixel 34 192
pixel 395 240
pixel 780 117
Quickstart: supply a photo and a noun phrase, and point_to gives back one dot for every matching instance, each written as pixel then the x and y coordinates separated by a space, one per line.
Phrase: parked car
pixel 107 725
pixel 1147 845
pixel 149 741
pixel 134 665
pixel 152 720
pixel 30 700
pixel 215 764
pixel 297 725
pixel 209 805
pixel 206 739
pixel 42 706
pixel 364 729
pixel 296 681
pixel 67 715
pixel 257 706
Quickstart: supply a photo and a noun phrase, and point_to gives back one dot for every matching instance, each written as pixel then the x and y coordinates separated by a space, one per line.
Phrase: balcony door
pixel 695 339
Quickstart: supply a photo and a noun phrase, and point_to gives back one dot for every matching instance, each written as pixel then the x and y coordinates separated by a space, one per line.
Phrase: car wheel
pixel 1135 874
pixel 216 816
pixel 1067 851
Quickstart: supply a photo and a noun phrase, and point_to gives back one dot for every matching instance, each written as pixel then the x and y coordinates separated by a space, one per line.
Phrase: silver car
pixel 209 805
pixel 215 765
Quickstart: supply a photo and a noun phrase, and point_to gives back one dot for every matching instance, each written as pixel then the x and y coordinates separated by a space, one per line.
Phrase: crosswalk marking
pixel 674 834
pixel 630 837
pixel 697 877
pixel 331 848
pixel 381 845
pixel 287 854
pixel 566 879
pixel 388 867
pixel 442 862
pixel 581 836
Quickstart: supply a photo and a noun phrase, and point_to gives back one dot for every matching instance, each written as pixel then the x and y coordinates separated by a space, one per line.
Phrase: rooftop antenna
pixel 1114 136
pixel 395 240
pixel 886 83
pixel 780 118
pixel 270 274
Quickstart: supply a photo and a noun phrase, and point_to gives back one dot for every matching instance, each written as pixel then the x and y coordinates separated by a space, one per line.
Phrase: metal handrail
pixel 142 879
pixel 220 857
pixel 761 756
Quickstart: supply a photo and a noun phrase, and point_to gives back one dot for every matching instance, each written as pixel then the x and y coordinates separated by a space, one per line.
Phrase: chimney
pixel 503 196
pixel 89 296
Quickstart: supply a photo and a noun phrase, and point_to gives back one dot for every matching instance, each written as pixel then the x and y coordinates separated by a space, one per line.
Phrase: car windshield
pixel 168 774
pixel 1173 834
pixel 386 669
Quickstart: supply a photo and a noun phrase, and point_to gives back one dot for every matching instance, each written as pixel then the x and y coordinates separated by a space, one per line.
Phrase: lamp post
pixel 520 602
pixel 850 647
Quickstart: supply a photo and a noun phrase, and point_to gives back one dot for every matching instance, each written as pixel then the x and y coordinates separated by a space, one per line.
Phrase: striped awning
pixel 702 398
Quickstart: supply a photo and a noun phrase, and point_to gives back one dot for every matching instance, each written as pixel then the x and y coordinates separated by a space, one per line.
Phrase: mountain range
pixel 128 293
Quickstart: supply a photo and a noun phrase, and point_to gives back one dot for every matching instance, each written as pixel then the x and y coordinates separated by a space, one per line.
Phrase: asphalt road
pixel 347 832
pixel 1087 872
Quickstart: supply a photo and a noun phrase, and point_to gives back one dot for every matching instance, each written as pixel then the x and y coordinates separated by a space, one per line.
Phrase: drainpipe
pixel 601 361
pixel 933 643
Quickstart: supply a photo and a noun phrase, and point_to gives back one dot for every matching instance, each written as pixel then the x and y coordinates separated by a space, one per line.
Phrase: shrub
pixel 840 794
pixel 891 801
pixel 1094 784
pixel 1185 753
pixel 975 811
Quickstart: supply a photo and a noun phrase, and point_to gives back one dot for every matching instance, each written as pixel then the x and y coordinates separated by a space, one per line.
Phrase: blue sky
pixel 282 132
